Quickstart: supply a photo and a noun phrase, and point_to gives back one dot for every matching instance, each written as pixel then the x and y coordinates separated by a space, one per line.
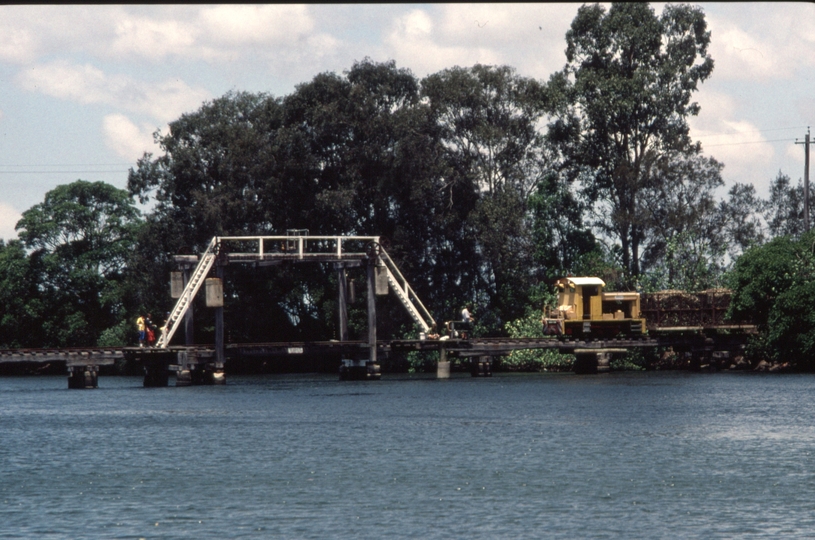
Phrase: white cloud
pixel 239 24
pixel 738 54
pixel 413 42
pixel 17 45
pixel 149 38
pixel 87 84
pixel 761 41
pixel 736 142
pixel 9 217
pixel 126 138
pixel 529 37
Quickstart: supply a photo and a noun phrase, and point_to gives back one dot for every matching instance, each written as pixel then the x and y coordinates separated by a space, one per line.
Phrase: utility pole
pixel 806 144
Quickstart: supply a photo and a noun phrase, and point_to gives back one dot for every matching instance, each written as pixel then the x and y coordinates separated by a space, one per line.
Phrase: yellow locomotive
pixel 584 310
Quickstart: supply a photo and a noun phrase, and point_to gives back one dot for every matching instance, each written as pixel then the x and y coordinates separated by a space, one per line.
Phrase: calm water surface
pixel 634 455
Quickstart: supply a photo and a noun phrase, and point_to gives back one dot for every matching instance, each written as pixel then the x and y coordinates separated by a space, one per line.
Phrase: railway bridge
pixel 198 364
pixel 204 364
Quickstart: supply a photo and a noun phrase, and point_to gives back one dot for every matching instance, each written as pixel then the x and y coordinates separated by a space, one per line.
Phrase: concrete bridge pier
pixel 443 367
pixel 81 377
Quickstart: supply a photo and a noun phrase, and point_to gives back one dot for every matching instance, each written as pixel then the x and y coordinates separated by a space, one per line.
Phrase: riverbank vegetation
pixel 484 185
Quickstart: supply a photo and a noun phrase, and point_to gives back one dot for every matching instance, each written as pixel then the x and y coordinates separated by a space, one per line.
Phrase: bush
pixel 534 359
pixel 774 287
pixel 791 332
pixel 121 335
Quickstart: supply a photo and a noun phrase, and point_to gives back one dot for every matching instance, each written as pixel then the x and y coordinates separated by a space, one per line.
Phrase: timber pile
pixel 673 308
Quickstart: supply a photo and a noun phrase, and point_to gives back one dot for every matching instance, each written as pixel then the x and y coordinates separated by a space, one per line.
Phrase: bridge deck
pixel 101 356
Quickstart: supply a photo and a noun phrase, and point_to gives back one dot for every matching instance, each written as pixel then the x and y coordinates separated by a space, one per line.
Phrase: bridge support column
pixel 183 372
pixel 342 281
pixel 443 368
pixel 183 377
pixel 482 366
pixel 81 377
pixel 219 321
pixel 603 362
pixel 372 308
pixel 206 375
pixel 215 375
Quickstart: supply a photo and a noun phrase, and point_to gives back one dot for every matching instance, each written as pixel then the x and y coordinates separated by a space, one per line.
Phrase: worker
pixel 466 320
pixel 141 326
pixel 150 330
pixel 466 316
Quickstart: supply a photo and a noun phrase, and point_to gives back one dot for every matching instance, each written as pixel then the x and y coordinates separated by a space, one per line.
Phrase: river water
pixel 624 455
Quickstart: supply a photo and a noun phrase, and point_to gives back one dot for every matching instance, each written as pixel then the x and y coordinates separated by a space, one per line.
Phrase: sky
pixel 84 88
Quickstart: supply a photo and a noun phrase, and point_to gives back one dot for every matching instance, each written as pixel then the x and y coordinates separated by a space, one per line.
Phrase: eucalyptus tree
pixel 784 210
pixel 741 219
pixel 682 224
pixel 622 104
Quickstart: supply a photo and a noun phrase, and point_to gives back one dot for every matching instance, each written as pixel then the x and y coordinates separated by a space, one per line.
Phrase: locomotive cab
pixel 584 309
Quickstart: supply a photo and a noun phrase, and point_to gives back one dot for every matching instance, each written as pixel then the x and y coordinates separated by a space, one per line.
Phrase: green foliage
pixel 473 201
pixel 765 272
pixel 774 286
pixel 562 245
pixel 120 335
pixel 633 360
pixel 792 326
pixel 784 210
pixel 534 359
pixel 494 157
pixel 621 107
pixel 23 307
pixel 422 361
pixel 742 227
pixel 72 285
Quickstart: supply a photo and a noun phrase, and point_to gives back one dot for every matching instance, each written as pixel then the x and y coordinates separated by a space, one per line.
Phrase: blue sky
pixel 83 88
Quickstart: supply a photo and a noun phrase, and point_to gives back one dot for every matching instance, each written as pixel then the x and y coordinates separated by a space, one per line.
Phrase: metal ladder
pixel 184 301
pixel 406 294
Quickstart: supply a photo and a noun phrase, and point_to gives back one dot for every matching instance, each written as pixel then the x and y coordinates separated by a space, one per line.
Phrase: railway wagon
pixel 675 310
pixel 585 310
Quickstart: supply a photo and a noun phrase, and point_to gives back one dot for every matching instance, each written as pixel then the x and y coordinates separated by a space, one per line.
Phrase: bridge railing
pixel 406 294
pixel 298 246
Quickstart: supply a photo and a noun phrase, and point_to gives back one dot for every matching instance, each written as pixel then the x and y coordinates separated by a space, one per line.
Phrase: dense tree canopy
pixel 79 240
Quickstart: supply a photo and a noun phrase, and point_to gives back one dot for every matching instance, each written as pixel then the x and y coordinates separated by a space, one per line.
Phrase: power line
pixel 729 133
pixel 746 142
